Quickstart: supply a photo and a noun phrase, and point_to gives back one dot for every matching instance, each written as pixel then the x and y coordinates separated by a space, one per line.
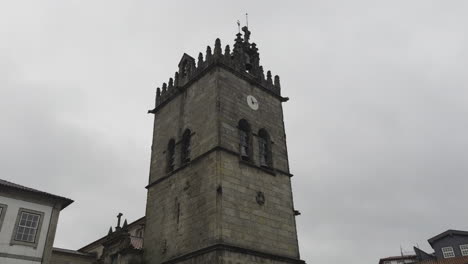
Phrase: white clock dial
pixel 252 102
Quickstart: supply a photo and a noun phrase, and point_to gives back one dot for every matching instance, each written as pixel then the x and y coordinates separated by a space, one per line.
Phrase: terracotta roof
pixel 459 260
pixel 14 186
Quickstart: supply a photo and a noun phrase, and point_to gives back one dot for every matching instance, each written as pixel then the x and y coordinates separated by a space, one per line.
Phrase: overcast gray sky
pixel 377 123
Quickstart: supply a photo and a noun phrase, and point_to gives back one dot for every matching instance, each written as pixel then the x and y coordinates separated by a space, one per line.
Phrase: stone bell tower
pixel 220 188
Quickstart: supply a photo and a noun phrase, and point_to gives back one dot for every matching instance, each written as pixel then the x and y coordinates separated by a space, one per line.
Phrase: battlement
pixel 243 60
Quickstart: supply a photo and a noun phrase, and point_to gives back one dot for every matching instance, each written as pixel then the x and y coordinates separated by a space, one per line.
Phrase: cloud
pixel 376 123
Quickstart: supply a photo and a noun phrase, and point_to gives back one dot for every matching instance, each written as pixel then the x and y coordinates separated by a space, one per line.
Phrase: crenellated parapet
pixel 243 60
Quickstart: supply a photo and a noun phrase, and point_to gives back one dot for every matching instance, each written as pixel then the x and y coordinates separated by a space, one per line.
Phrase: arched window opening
pixel 171 155
pixel 186 146
pixel 244 140
pixel 264 148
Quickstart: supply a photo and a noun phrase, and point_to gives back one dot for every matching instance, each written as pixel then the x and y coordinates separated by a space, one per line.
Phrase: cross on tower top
pixel 119 216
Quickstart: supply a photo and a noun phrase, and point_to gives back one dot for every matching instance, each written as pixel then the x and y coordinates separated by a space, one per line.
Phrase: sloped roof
pixel 73 252
pixel 422 255
pixel 449 232
pixel 6 184
pixel 140 221
pixel 397 258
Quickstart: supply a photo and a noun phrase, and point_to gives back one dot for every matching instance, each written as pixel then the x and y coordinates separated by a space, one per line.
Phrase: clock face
pixel 252 102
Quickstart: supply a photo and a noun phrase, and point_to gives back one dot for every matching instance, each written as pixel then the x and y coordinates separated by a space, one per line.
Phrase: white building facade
pixel 28 221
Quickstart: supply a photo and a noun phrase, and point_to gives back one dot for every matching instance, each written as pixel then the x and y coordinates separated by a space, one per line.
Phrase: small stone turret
pixel 243 60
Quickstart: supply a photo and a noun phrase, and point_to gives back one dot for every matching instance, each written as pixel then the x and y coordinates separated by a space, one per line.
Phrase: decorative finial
pixel 254 48
pixel 227 51
pixel 238 25
pixel 269 80
pixel 277 81
pixel 164 90
pixel 208 53
pixel 158 96
pixel 217 48
pixel 247 19
pixel 200 59
pixel 176 79
pixel 110 231
pixel 125 224
pixel 171 82
pixel 246 34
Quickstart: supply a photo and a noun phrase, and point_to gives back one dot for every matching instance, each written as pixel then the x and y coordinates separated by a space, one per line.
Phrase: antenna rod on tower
pixel 238 25
pixel 247 19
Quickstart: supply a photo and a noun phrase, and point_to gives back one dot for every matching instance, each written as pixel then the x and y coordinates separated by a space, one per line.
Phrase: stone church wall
pixel 237 258
pixel 269 116
pixel 183 210
pixel 214 199
pixel 181 207
pixel 269 227
pixel 194 109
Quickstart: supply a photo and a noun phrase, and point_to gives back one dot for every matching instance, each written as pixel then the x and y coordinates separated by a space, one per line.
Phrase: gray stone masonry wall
pixel 195 109
pixel 269 116
pixel 270 227
pixel 228 257
pixel 181 210
pixel 245 223
pixel 239 258
pixel 212 200
pixel 191 194
pixel 207 258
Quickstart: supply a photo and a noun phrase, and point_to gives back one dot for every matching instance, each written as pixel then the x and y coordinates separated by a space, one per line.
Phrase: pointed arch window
pixel 244 140
pixel 264 148
pixel 186 146
pixel 171 155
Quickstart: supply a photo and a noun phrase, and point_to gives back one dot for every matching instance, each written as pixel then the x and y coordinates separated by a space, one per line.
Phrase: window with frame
pixel 171 155
pixel 264 148
pixel 3 208
pixel 464 249
pixel 244 140
pixel 186 146
pixel 27 227
pixel 448 252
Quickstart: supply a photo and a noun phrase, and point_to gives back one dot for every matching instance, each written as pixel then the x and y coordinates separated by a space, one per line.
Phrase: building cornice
pixel 235 249
pixel 270 171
